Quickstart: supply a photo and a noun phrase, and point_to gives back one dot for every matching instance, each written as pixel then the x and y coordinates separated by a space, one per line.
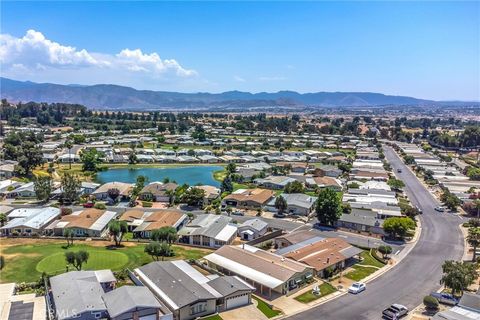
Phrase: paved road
pixel 416 275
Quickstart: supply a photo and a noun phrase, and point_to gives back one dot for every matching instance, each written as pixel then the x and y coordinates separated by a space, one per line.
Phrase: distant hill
pixel 106 96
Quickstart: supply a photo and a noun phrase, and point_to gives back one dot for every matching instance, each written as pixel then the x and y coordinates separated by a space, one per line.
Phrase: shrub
pixel 147 204
pixel 430 302
pixel 65 211
pixel 100 206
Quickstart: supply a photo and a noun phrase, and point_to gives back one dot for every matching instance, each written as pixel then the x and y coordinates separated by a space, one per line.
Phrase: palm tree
pixel 473 239
pixel 69 146
pixel 281 204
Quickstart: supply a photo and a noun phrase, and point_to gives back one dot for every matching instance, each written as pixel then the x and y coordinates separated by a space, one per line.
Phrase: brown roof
pixel 329 181
pixel 321 254
pixel 292 164
pixel 124 188
pixel 83 220
pixel 370 174
pixel 159 188
pixel 131 215
pixel 255 195
pixel 263 261
pixel 154 220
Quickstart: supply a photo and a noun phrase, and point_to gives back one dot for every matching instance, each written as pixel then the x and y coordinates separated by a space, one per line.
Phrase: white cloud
pixel 239 79
pixel 34 52
pixel 274 78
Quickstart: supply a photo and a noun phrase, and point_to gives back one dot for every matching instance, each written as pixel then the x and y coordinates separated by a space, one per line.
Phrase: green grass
pixel 265 308
pixel 25 263
pixel 237 186
pixel 325 289
pixel 369 260
pixel 219 175
pixel 214 317
pixel 360 272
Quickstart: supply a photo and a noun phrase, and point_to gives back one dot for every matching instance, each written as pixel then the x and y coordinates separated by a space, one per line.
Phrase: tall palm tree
pixel 473 239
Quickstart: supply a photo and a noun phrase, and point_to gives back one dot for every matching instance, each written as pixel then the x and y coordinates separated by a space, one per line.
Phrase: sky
pixel 427 50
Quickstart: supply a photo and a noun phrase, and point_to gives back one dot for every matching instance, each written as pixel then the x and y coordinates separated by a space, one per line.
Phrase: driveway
pixel 416 275
pixel 249 312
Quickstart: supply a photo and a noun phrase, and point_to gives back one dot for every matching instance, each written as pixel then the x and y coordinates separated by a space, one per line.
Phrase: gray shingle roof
pixel 129 298
pixel 228 285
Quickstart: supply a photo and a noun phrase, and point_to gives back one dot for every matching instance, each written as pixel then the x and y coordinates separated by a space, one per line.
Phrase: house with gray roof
pixel 274 182
pixel 187 293
pixel 252 229
pixel 91 295
pixel 297 204
pixel 209 230
pixel 362 220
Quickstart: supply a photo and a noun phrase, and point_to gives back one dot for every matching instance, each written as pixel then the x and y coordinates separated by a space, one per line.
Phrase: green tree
pixel 398 226
pixel 193 196
pixel 164 234
pixel 227 185
pixel 473 239
pixel 395 184
pixel 68 234
pixel 77 259
pixel 458 276
pixel 71 186
pixel 113 194
pixel 385 250
pixel 43 186
pixel 328 207
pixel 69 146
pixel 132 158
pixel 90 159
pixel 450 200
pixel 157 249
pixel 3 219
pixel 431 303
pixel 117 230
pixel 139 185
pixel 281 204
pixel 231 168
pixel 294 187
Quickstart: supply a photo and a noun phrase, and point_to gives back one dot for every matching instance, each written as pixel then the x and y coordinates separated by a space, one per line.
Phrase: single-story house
pixel 267 272
pixel 295 237
pixel 102 192
pixel 142 222
pixel 157 191
pixel 84 223
pixel 252 229
pixel 248 198
pixel 29 221
pixel 7 169
pixel 24 191
pixel 274 182
pixel 327 171
pixel 211 193
pixel 361 220
pixel 189 294
pixel 8 185
pixel 324 182
pixel 297 204
pixel 209 230
pixel 91 295
pixel 322 253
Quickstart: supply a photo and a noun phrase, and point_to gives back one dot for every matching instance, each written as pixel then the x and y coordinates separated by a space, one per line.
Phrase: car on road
pixel 445 298
pixel 440 209
pixel 399 170
pixel 357 287
pixel 419 210
pixel 395 311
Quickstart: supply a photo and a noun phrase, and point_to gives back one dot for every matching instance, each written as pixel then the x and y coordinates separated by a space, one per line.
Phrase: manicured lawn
pixel 237 186
pixel 325 289
pixel 360 272
pixel 265 308
pixel 26 262
pixel 214 317
pixel 219 175
pixel 368 260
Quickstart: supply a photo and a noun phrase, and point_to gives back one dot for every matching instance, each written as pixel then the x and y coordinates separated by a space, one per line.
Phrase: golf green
pixel 97 260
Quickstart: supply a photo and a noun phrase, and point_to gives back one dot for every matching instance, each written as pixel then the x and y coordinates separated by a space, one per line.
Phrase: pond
pixel 191 175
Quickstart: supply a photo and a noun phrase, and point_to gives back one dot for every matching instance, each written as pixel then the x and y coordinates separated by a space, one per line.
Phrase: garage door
pixel 237 301
pixel 150 317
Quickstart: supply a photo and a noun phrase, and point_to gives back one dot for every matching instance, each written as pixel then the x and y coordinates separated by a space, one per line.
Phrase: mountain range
pixel 107 96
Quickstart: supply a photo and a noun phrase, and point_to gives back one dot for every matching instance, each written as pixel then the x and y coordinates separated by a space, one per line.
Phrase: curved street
pixel 416 275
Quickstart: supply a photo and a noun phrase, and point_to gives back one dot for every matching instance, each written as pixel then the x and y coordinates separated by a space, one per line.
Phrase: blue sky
pixel 421 49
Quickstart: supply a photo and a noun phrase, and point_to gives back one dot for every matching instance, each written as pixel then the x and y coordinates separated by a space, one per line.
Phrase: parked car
pixel 395 311
pixel 238 213
pixel 440 209
pixel 445 298
pixel 399 170
pixel 88 205
pixel 357 287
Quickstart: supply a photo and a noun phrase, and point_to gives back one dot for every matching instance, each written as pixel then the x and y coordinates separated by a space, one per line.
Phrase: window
pixel 198 308
pixel 97 315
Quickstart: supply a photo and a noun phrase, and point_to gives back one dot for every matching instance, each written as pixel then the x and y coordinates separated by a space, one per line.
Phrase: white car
pixel 357 287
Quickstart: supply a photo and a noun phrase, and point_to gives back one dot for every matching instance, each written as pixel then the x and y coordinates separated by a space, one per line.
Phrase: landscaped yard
pixel 265 308
pixel 360 272
pixel 325 289
pixel 369 260
pixel 26 262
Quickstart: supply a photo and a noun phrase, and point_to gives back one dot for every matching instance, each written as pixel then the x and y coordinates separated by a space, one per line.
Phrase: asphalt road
pixel 416 275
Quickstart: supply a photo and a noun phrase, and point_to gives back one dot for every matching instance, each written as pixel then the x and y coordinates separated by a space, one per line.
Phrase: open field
pixel 26 259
